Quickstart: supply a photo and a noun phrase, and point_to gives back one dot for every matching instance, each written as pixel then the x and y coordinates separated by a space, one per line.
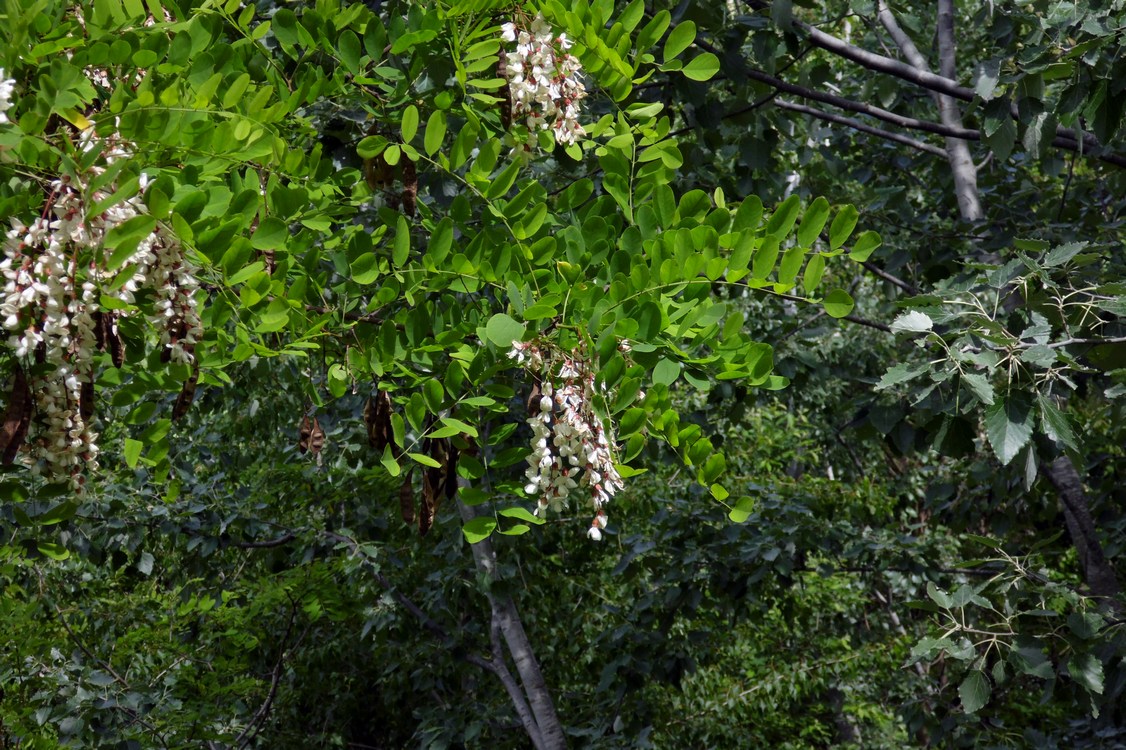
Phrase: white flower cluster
pixel 571 453
pixel 543 81
pixel 7 88
pixel 53 271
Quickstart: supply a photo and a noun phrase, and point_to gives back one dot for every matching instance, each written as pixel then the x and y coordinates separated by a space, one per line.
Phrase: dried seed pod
pixel 406 500
pixel 378 173
pixel 187 394
pixel 311 438
pixel 434 483
pixel 410 187
pixel 86 400
pixel 113 337
pixel 17 417
pixel 428 508
pixel 451 474
pixel 533 402
pixel 377 419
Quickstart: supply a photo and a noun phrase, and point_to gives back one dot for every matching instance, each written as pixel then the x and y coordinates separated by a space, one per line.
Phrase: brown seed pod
pixel 533 402
pixel 17 417
pixel 451 474
pixel 113 338
pixel 377 419
pixel 310 438
pixel 406 500
pixel 378 173
pixel 187 394
pixel 435 485
pixel 428 508
pixel 86 400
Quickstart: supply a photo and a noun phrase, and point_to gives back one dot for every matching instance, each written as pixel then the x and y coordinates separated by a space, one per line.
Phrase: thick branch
pixel 900 120
pixel 857 125
pixel 899 36
pixel 924 78
pixel 961 161
pixel 519 646
pixel 1097 571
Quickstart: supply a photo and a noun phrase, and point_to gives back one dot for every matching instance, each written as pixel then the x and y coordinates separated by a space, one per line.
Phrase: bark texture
pixel 542 725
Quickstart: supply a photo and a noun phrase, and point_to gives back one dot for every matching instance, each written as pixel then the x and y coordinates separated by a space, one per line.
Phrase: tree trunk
pixel 544 728
pixel 957 149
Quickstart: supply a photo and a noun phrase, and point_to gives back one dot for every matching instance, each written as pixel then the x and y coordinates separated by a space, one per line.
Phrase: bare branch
pixel 904 122
pixel 858 125
pixel 895 280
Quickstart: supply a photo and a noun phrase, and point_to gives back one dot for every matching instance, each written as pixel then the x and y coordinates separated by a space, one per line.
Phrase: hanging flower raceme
pixel 7 88
pixel 572 455
pixel 543 81
pixel 55 269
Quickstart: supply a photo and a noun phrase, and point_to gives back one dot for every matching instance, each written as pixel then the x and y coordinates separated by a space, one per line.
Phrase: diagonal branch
pixel 923 78
pixel 858 125
pixel 910 123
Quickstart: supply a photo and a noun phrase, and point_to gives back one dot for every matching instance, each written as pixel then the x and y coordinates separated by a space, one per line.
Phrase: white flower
pixel 594 533
pixel 543 81
pixel 7 88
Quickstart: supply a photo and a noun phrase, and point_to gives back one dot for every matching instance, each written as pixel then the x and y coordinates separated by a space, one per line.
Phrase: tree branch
pixel 857 125
pixel 910 123
pixel 894 280
pixel 519 646
pixel 923 78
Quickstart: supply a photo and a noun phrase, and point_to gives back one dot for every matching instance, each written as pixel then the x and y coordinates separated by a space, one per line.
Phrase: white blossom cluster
pixel 543 79
pixel 571 453
pixel 53 272
pixel 7 89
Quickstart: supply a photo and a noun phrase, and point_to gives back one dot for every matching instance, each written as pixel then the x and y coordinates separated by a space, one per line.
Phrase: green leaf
pixel 974 691
pixel 679 39
pixel 371 146
pixel 400 251
pixel 702 67
pixel 521 514
pixel 425 460
pixel 866 244
pixel 838 303
pixel 1008 426
pixel 1086 625
pixel 743 509
pixel 1055 423
pixel 666 372
pixel 980 386
pixel 1062 254
pixel 440 241
pixel 435 132
pixel 64 511
pixel 132 452
pixel 812 222
pixel 479 529
pixel 843 224
pixel 52 550
pixel 389 462
pixel 365 269
pixel 502 330
pixel 814 270
pixel 410 123
pixel 783 218
pixel 271 234
pixel 1087 670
